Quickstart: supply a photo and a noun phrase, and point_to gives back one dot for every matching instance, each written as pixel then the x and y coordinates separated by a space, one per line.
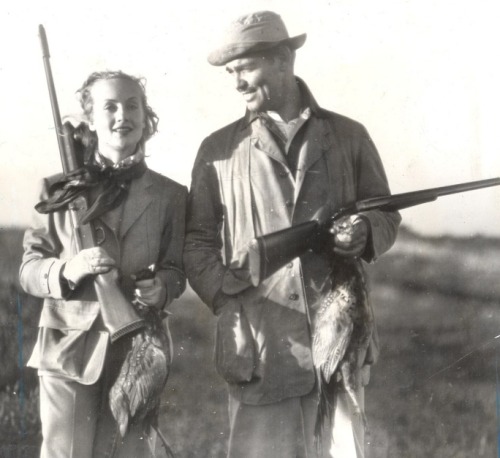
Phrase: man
pixel 285 162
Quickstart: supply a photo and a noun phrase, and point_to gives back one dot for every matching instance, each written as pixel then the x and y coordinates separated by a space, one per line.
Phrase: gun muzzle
pixel 118 314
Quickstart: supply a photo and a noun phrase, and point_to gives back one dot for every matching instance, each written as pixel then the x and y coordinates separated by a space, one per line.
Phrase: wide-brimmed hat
pixel 251 33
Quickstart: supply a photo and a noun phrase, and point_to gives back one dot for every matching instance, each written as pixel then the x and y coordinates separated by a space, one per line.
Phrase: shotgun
pixel 270 252
pixel 117 311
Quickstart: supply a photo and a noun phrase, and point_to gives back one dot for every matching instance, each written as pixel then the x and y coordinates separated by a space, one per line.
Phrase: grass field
pixel 432 393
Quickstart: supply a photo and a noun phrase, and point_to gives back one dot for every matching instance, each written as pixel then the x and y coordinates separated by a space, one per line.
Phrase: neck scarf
pixel 113 181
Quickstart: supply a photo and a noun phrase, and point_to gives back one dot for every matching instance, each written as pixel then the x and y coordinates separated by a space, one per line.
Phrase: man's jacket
pixel 147 228
pixel 242 187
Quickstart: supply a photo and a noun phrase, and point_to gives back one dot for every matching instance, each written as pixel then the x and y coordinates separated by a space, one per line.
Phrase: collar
pixel 125 163
pixel 308 103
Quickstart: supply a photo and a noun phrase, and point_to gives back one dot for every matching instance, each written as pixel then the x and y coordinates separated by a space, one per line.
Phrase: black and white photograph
pixel 254 229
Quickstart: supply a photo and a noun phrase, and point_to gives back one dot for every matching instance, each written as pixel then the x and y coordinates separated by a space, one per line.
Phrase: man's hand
pixel 349 236
pixel 151 292
pixel 90 261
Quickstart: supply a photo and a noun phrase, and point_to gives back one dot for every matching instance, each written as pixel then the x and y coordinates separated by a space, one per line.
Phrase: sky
pixel 421 75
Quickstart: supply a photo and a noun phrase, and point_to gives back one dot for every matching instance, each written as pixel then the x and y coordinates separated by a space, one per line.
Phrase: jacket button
pixel 293 297
pixel 283 174
pixel 290 265
pixel 289 203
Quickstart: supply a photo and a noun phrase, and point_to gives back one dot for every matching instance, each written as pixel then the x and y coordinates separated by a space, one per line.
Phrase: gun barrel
pixel 410 199
pixel 43 41
pixel 62 133
pixel 470 186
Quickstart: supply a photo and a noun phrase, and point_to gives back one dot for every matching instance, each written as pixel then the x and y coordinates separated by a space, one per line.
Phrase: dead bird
pixel 135 395
pixel 341 335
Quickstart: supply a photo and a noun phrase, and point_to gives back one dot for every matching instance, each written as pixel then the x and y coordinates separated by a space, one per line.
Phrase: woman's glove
pixel 90 261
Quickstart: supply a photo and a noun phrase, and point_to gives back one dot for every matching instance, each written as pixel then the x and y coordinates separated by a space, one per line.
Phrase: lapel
pixel 317 142
pixel 138 200
pixel 263 140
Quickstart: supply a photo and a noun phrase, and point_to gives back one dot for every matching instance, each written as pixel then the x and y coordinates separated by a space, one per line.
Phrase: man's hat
pixel 251 33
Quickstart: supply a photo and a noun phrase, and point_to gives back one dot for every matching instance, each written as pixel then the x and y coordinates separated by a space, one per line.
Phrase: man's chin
pixel 255 107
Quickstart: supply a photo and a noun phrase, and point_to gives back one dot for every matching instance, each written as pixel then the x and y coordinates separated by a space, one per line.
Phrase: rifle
pixel 117 312
pixel 270 252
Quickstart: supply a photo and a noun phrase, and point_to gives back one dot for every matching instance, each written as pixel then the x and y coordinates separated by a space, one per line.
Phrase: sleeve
pixel 170 265
pixel 203 250
pixel 40 271
pixel 372 182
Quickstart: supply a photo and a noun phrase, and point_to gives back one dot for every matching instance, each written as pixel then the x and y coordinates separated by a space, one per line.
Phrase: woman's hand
pixel 349 236
pixel 90 261
pixel 151 292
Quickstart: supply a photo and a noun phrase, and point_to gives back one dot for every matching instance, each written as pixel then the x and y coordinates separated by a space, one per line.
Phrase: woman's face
pixel 117 117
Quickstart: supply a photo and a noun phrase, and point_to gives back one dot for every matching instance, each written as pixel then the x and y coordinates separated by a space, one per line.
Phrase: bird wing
pixel 119 405
pixel 142 377
pixel 330 341
pixel 149 378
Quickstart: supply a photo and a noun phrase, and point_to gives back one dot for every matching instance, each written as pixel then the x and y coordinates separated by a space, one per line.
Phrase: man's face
pixel 260 81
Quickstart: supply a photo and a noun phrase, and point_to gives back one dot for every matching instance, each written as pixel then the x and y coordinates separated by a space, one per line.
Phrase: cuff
pixel 174 281
pixel 52 279
pixel 67 286
pixel 368 254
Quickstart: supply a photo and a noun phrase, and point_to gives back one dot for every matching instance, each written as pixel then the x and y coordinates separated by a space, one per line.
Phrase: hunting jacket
pixel 242 187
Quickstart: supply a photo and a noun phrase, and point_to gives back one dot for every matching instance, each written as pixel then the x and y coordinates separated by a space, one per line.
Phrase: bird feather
pixel 342 332
pixel 135 395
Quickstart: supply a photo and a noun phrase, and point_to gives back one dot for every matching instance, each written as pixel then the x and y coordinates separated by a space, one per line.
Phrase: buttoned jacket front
pixel 147 228
pixel 242 187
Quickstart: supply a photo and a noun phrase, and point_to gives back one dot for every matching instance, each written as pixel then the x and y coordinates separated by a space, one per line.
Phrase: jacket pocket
pixel 234 345
pixel 69 314
pixel 72 354
pixel 62 351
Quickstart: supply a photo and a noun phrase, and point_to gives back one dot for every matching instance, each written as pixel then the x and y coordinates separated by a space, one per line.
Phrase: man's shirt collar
pixel 309 105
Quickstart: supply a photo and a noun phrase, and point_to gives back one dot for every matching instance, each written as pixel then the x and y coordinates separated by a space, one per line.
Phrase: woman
pixel 138 219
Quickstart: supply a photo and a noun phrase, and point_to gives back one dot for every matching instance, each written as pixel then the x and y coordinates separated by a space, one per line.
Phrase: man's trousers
pixel 286 429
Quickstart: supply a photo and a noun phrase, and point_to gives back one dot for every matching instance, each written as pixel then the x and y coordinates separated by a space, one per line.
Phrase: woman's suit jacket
pixel 147 228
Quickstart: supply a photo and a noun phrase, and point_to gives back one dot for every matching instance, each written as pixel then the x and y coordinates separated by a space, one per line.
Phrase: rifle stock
pixel 118 314
pixel 270 252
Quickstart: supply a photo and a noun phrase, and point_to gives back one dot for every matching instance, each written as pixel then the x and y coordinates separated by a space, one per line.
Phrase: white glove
pixel 91 261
